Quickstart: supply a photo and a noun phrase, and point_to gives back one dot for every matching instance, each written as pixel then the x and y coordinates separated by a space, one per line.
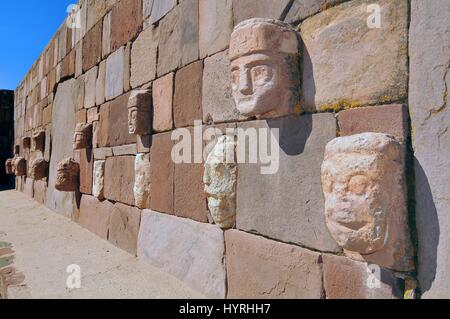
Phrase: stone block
pixel 68 66
pixel 302 9
pixel 96 9
pixel 90 83
pixel 95 215
pixel 126 22
pixel 389 119
pixel 246 9
pixel 92 115
pixel 348 279
pixel 162 173
pixel 215 26
pixel 430 113
pixel 146 8
pixel 195 256
pixel 217 100
pixel 124 227
pixel 86 161
pixel 119 179
pixel 100 84
pixel 98 179
pixel 143 57
pixel 178 41
pixel 106 40
pixel 92 47
pixel 40 191
pixel 66 102
pixel 115 68
pixel 160 8
pixel 189 193
pixel 286 204
pixel 163 103
pixel 347 64
pixel 258 268
pixel 124 150
pixel 187 105
pixel 29 187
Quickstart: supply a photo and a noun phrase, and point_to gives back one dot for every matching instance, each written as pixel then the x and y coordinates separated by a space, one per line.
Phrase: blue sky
pixel 26 26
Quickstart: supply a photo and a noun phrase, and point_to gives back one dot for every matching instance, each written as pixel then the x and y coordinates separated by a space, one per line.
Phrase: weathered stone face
pixel 82 137
pixel 365 207
pixel 9 166
pixel 20 166
pixel 98 186
pixel 26 142
pixel 142 181
pixel 38 141
pixel 39 169
pixel 67 174
pixel 16 149
pixel 220 182
pixel 139 112
pixel 264 68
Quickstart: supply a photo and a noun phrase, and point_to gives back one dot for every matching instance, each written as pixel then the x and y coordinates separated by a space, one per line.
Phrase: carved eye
pixel 358 184
pixel 261 74
pixel 235 80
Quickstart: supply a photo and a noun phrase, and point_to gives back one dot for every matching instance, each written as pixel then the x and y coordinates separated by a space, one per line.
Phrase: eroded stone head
pixel 365 202
pixel 220 182
pixel 38 169
pixel 67 173
pixel 82 137
pixel 9 166
pixel 264 57
pixel 26 142
pixel 139 112
pixel 20 166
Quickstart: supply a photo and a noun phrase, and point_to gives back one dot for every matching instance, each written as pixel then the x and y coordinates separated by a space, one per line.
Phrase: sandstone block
pixel 215 26
pixel 124 227
pixel 119 179
pixel 67 66
pixel 98 179
pixel 389 119
pixel 187 106
pixel 178 41
pixel 302 9
pixel 86 160
pixel 115 69
pixel 40 191
pixel 348 279
pixel 163 103
pixel 196 256
pixel 92 47
pixel 126 21
pixel 160 8
pixel 366 66
pixel 301 146
pixel 162 173
pixel 142 182
pixel 259 268
pixel 246 9
pixel 95 215
pixel 100 84
pixel 106 40
pixel 96 9
pixel 217 101
pixel 90 83
pixel 143 57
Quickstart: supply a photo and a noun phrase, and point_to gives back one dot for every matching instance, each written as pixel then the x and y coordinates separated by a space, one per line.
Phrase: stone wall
pixel 354 79
pixel 6 135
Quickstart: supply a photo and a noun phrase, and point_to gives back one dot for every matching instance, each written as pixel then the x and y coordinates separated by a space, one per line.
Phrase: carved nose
pixel 245 85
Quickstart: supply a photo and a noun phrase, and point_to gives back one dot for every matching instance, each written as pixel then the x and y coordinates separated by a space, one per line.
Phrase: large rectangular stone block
pixel 430 118
pixel 143 57
pixel 115 70
pixel 162 92
pixel 86 161
pixel 160 8
pixel 92 47
pixel 124 227
pixel 178 41
pixel 302 9
pixel 126 22
pixel 348 63
pixel 162 173
pixel 345 278
pixel 287 205
pixel 246 9
pixel 258 268
pixel 195 255
pixel 95 215
pixel 119 179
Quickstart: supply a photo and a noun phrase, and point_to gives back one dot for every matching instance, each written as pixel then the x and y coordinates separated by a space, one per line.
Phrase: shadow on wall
pixel 428 230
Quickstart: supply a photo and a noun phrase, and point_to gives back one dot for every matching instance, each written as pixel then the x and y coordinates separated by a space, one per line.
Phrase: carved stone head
pixel 26 142
pixel 16 149
pixel 38 169
pixel 20 166
pixel 38 141
pixel 9 166
pixel 139 112
pixel 67 173
pixel 264 57
pixel 365 202
pixel 82 137
pixel 220 182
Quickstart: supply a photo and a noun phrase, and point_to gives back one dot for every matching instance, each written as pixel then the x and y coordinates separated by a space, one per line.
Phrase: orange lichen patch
pixel 340 105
